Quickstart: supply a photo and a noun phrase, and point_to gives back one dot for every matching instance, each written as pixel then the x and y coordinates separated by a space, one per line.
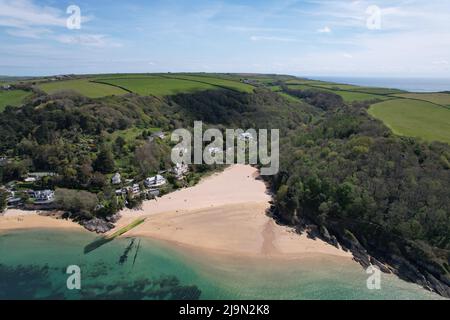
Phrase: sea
pixel 42 264
pixel 406 84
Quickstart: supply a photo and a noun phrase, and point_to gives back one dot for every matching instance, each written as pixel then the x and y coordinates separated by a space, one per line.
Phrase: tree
pixel 119 145
pixel 105 161
pixel 80 203
pixel 3 200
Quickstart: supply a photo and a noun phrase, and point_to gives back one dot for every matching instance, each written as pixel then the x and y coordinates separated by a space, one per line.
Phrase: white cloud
pixel 324 30
pixel 23 18
pixel 33 33
pixel 278 39
pixel 90 40
pixel 24 13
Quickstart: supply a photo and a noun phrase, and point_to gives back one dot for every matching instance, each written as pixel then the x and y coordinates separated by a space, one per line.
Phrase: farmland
pixel 225 83
pixel 437 98
pixel 157 86
pixel 83 87
pixel 347 95
pixel 414 118
pixel 12 98
pixel 163 85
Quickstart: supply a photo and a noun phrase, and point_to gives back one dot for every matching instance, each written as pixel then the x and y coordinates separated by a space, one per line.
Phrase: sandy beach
pixel 23 220
pixel 225 213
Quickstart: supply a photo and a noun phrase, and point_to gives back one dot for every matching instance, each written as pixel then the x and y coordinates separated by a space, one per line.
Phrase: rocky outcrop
pixel 97 225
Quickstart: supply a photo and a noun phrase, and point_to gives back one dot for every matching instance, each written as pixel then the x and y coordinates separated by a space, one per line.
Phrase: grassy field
pixel 220 82
pixel 83 87
pixel 12 98
pixel 438 98
pixel 348 96
pixel 157 86
pixel 414 118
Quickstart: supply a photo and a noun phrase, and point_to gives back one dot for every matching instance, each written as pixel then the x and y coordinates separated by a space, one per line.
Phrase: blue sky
pixel 304 37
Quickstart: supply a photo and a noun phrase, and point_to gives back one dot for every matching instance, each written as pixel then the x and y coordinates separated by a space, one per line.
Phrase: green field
pixel 348 96
pixel 414 118
pixel 349 87
pixel 170 84
pixel 438 98
pixel 158 86
pixel 83 87
pixel 12 98
pixel 220 82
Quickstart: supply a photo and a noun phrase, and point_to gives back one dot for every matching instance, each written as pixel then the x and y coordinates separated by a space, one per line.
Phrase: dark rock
pixel 437 285
pixel 114 218
pixel 97 225
pixel 380 265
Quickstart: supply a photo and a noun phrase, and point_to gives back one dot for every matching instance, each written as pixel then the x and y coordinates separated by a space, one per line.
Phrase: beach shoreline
pixel 226 214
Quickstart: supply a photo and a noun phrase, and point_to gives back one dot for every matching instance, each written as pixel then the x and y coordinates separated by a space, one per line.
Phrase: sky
pixel 404 38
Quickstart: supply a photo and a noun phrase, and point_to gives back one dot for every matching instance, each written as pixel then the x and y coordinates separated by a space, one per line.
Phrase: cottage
pixel 44 196
pixel 6 87
pixel 155 182
pixel 116 179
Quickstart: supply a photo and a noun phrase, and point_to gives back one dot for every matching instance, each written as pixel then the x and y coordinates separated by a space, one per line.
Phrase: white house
pixel 30 180
pixel 44 196
pixel 116 179
pixel 155 182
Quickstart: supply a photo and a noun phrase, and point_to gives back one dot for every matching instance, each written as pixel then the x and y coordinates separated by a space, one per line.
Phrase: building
pixel 135 189
pixel 116 179
pixel 30 180
pixel 6 87
pixel 155 182
pixel 44 196
pixel 180 170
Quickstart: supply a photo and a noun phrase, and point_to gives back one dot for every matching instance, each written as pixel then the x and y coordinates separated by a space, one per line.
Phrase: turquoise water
pixel 33 265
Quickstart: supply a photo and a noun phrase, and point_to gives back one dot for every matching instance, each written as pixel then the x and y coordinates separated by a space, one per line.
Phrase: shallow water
pixel 33 266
